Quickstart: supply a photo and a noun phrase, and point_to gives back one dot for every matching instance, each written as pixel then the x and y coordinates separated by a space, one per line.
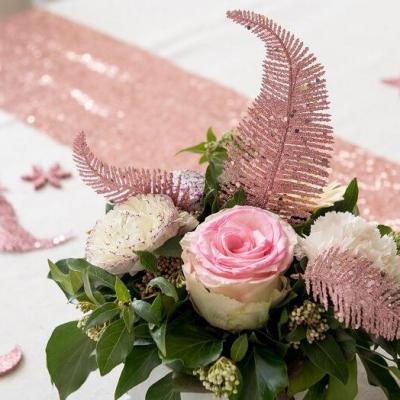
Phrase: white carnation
pixel 348 232
pixel 142 223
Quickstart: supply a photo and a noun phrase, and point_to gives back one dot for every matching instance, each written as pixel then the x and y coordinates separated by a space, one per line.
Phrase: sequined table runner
pixel 137 108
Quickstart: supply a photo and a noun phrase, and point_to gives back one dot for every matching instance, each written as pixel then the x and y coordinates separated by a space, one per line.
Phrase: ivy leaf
pixel 138 366
pixel 114 345
pixel 308 377
pixel 171 248
pixel 191 343
pixel 122 292
pixel 99 276
pixel 148 261
pixel 104 313
pixel 239 348
pixel 165 286
pixel 163 390
pixel 158 335
pixel 328 356
pixel 143 309
pixel 339 391
pixel 378 374
pixel 70 282
pixel 264 375
pixel 69 358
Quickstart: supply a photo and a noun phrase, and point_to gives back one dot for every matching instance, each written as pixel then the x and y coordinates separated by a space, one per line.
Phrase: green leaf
pixel 339 391
pixel 264 375
pixel 69 358
pixel 109 207
pixel 148 261
pixel 163 390
pixel 157 308
pixel 297 334
pixel 70 282
pixel 308 377
pixel 211 135
pixel 185 383
pixel 99 276
pixel 171 248
pixel 328 356
pixel 104 313
pixel 158 335
pixel 123 294
pixel 197 149
pixel 318 391
pixel 165 286
pixel 128 316
pixel 238 199
pixel 138 366
pixel 350 198
pixel 114 345
pixel 239 348
pixel 191 343
pixel 395 371
pixel 143 309
pixel 378 374
pixel 384 230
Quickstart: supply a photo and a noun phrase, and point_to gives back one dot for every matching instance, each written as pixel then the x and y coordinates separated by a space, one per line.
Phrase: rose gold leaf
pixel 362 296
pixel 118 184
pixel 14 238
pixel 10 361
pixel 282 150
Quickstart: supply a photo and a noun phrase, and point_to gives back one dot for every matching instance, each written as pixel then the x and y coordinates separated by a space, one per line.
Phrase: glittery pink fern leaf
pixel 362 296
pixel 283 146
pixel 118 184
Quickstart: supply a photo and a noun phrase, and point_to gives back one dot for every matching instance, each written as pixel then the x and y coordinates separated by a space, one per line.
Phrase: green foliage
pixel 264 375
pixel 69 282
pixel 113 347
pixel 165 286
pixel 308 377
pixel 148 261
pixel 102 314
pixel 188 341
pixel 239 348
pixel 138 366
pixel 122 292
pixel 171 248
pixel 328 356
pixel 144 310
pixel 339 391
pixel 163 390
pixel 69 358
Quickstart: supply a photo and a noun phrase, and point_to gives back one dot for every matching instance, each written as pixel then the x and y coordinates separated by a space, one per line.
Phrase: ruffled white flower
pixel 348 232
pixel 142 223
pixel 331 194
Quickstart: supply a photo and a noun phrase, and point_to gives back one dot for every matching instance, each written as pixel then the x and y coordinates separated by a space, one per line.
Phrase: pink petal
pixel 10 361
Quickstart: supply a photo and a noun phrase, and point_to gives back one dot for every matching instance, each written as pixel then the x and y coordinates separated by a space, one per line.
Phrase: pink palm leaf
pixel 282 150
pixel 362 296
pixel 118 184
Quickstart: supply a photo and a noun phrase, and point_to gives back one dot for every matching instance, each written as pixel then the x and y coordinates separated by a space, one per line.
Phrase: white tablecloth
pixel 357 41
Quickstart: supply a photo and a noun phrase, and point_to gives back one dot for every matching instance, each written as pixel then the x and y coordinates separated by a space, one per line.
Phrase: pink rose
pixel 233 265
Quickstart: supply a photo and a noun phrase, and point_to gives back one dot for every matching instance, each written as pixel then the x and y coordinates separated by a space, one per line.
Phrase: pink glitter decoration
pixel 362 296
pixel 393 82
pixel 71 78
pixel 14 238
pixel 10 361
pixel 118 184
pixel 40 178
pixel 281 154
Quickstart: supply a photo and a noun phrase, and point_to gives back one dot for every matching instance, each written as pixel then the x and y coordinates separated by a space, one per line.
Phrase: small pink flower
pixel 233 264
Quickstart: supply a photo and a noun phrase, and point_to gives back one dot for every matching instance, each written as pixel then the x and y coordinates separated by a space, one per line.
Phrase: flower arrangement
pixel 256 281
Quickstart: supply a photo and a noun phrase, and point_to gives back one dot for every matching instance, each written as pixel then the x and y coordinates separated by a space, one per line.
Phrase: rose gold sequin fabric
pixel 138 109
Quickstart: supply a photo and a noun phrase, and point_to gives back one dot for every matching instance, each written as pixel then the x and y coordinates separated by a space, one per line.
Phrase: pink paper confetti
pixel 10 361
pixel 14 238
pixel 40 178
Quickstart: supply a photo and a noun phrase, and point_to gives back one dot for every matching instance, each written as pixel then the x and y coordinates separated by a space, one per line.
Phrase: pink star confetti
pixel 392 82
pixel 10 361
pixel 40 178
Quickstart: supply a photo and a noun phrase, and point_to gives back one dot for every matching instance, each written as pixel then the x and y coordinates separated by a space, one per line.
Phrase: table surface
pixel 358 43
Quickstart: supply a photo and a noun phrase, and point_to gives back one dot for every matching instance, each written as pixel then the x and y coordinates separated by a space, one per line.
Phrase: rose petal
pixel 10 361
